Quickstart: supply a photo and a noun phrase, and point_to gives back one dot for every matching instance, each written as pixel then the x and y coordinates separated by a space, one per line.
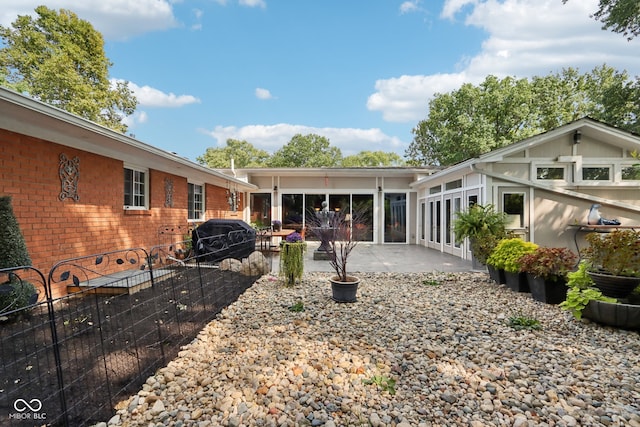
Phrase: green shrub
pixel 508 252
pixel 15 295
pixel 581 291
pixel 13 249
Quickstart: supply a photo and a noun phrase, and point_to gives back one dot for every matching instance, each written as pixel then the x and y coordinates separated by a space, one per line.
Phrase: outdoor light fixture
pixel 275 188
pixel 379 189
pixel 577 137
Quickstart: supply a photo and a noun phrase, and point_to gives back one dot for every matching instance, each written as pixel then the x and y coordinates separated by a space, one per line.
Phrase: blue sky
pixel 360 73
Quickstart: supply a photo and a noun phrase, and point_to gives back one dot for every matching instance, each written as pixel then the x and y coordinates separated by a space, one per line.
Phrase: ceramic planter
pixel 344 291
pixel 517 281
pixel 625 316
pixel 614 286
pixel 547 290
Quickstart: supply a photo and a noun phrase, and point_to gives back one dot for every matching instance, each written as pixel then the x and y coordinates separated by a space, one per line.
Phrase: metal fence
pixel 69 360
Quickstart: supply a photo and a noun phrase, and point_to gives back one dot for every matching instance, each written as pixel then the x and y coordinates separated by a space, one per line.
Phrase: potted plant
pixel 14 292
pixel 340 232
pixel 277 225
pixel 506 255
pixel 292 250
pixel 484 227
pixel 546 270
pixel 614 261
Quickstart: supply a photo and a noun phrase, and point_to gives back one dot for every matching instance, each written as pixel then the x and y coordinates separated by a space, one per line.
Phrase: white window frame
pixel 534 172
pixel 134 194
pixel 191 202
pixel 624 166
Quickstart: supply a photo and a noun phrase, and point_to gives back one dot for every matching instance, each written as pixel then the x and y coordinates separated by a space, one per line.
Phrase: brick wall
pixel 57 229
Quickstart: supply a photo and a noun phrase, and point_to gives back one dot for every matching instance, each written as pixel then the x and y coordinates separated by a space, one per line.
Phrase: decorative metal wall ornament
pixel 69 171
pixel 168 193
pixel 232 199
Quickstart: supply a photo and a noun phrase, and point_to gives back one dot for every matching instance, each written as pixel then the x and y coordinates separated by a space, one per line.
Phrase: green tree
pixel 306 151
pixel 59 59
pixel 372 159
pixel 619 16
pixel 476 119
pixel 244 155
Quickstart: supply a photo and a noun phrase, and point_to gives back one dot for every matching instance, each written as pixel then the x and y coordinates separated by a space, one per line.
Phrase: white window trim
pixel 146 188
pixel 202 214
pixel 596 181
pixel 534 172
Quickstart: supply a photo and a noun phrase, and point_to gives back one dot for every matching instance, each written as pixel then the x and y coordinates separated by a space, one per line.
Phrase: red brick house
pixel 79 188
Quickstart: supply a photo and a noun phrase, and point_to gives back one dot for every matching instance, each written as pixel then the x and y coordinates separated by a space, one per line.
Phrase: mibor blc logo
pixel 28 410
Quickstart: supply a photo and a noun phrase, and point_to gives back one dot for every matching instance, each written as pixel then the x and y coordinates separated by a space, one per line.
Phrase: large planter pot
pixel 549 291
pixel 344 291
pixel 614 286
pixel 497 275
pixel 625 316
pixel 516 281
pixel 477 265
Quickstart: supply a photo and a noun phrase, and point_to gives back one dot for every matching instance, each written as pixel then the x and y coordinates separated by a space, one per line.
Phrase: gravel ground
pixel 443 338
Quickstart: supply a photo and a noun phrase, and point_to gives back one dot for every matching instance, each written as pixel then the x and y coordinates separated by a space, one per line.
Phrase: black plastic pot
pixel 344 291
pixel 547 290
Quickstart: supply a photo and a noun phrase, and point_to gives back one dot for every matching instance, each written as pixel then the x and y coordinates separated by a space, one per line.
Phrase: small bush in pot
pixel 483 226
pixel 546 270
pixel 548 263
pixel 506 256
pixel 508 252
pixel 341 233
pixel 616 253
pixel 614 261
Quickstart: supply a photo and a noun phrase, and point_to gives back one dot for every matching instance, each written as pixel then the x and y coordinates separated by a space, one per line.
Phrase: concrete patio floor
pixel 400 258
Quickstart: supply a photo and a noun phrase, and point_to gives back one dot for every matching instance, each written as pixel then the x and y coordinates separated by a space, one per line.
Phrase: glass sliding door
pixel 260 209
pixel 395 217
pixel 363 204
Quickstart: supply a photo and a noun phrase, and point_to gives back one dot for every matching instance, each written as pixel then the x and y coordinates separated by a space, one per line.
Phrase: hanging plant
pixel 292 252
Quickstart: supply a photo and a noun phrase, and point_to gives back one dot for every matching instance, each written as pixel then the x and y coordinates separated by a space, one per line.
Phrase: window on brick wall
pixel 136 188
pixel 196 202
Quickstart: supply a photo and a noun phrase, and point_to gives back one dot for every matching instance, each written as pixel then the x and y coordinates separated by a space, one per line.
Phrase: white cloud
pixel 115 19
pixel 272 137
pixel 151 97
pixel 253 3
pixel 263 93
pixel 409 6
pixel 542 37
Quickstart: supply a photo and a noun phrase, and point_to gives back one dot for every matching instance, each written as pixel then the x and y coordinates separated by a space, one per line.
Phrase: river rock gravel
pixel 444 338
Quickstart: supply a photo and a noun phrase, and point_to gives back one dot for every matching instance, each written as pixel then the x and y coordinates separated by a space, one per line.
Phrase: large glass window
pixel 363 204
pixel 135 188
pixel 292 210
pixel 395 217
pixel 260 209
pixel 195 200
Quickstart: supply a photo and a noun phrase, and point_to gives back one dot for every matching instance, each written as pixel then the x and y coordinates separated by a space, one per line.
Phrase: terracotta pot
pixel 614 286
pixel 517 281
pixel 547 290
pixel 344 291
pixel 625 316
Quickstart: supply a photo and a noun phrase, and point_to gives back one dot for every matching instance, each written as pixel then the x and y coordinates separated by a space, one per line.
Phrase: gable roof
pixel 27 116
pixel 588 127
